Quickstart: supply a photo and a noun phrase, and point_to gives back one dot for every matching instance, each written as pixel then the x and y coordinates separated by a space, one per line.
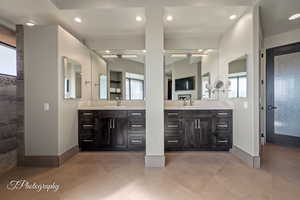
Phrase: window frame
pixel 12 47
pixel 237 77
pixel 129 85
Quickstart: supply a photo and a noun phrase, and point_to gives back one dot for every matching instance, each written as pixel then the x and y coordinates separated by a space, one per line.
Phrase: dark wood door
pixel 283 95
pixel 103 136
pixel 119 133
pixel 197 132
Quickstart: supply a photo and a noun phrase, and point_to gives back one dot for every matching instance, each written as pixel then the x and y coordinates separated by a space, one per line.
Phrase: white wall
pixel 69 46
pixel 238 41
pixel 55 131
pixel 282 39
pixel 41 83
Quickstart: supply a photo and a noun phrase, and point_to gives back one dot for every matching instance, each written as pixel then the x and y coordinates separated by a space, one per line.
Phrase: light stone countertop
pixel 169 105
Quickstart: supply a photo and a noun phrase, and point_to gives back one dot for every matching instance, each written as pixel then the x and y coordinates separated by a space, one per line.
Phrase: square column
pixel 154 85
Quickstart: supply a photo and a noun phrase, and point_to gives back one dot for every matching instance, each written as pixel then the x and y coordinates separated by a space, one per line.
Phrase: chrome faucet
pixel 187 102
pixel 118 101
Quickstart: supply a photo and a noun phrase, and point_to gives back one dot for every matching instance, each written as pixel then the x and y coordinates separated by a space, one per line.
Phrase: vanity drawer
pixel 172 114
pixel 136 114
pixel 136 141
pixel 223 113
pixel 173 142
pixel 86 117
pixel 223 124
pixel 173 124
pixel 174 133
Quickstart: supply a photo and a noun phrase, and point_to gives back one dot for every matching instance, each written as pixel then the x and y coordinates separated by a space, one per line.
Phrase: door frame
pixel 270 54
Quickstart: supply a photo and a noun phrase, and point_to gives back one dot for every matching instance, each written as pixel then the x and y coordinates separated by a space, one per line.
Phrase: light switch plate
pixel 46 107
pixel 245 104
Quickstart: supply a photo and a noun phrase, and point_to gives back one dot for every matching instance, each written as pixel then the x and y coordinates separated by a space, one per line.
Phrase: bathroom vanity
pixel 186 129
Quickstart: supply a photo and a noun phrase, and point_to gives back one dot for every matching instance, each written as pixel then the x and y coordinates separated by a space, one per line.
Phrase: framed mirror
pixel 72 79
pixel 237 77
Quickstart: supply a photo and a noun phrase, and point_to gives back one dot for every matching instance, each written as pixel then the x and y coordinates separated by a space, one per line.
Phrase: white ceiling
pixel 115 19
pixel 201 22
pixel 275 14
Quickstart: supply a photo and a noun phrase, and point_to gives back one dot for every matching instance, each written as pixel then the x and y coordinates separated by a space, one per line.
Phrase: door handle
pixel 270 107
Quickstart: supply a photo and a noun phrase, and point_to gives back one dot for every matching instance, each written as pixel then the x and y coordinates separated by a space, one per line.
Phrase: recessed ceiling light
pixel 200 50
pixel 138 18
pixel 169 18
pixel 295 16
pixel 30 23
pixel 78 19
pixel 144 51
pixel 232 17
pixel 107 51
pixel 129 56
pixel 109 56
pixel 178 55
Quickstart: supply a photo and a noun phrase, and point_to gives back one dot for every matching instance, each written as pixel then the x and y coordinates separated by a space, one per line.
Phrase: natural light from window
pixel 8 60
pixel 134 86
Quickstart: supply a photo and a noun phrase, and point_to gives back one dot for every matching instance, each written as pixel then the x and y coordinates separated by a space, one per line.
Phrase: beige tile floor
pixel 188 175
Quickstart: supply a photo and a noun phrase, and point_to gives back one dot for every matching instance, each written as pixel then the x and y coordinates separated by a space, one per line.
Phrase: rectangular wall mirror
pixel 124 77
pixel 72 79
pixel 188 73
pixel 237 76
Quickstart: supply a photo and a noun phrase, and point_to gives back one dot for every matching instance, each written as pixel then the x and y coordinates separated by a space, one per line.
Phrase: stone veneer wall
pixel 20 94
pixel 8 141
pixel 8 112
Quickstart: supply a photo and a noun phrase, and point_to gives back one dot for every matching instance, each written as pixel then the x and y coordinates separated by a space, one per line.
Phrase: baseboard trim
pixel 251 161
pixel 155 161
pixel 68 154
pixel 49 161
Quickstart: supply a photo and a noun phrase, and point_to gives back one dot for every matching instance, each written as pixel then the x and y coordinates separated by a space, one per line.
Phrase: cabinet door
pixel 103 136
pixel 203 131
pixel 119 133
pixel 197 133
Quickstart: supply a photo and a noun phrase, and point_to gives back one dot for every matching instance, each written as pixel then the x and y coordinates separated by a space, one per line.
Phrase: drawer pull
pixel 222 141
pixel 222 125
pixel 223 114
pixel 136 126
pixel 136 141
pixel 172 141
pixel 87 126
pixel 87 114
pixel 173 126
pixel 136 114
pixel 88 140
pixel 172 114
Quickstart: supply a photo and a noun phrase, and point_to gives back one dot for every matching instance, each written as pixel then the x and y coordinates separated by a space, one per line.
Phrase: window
pixel 103 86
pixel 134 86
pixel 8 63
pixel 238 86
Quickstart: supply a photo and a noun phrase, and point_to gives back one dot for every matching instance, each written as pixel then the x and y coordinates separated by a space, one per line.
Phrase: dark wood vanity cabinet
pixel 198 130
pixel 111 130
pixel 185 130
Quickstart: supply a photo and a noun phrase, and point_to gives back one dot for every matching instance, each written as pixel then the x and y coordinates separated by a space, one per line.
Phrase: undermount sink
pixel 115 106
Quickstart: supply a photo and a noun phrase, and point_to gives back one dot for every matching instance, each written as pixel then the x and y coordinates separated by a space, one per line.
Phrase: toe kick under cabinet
pixel 189 130
pixel 111 130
